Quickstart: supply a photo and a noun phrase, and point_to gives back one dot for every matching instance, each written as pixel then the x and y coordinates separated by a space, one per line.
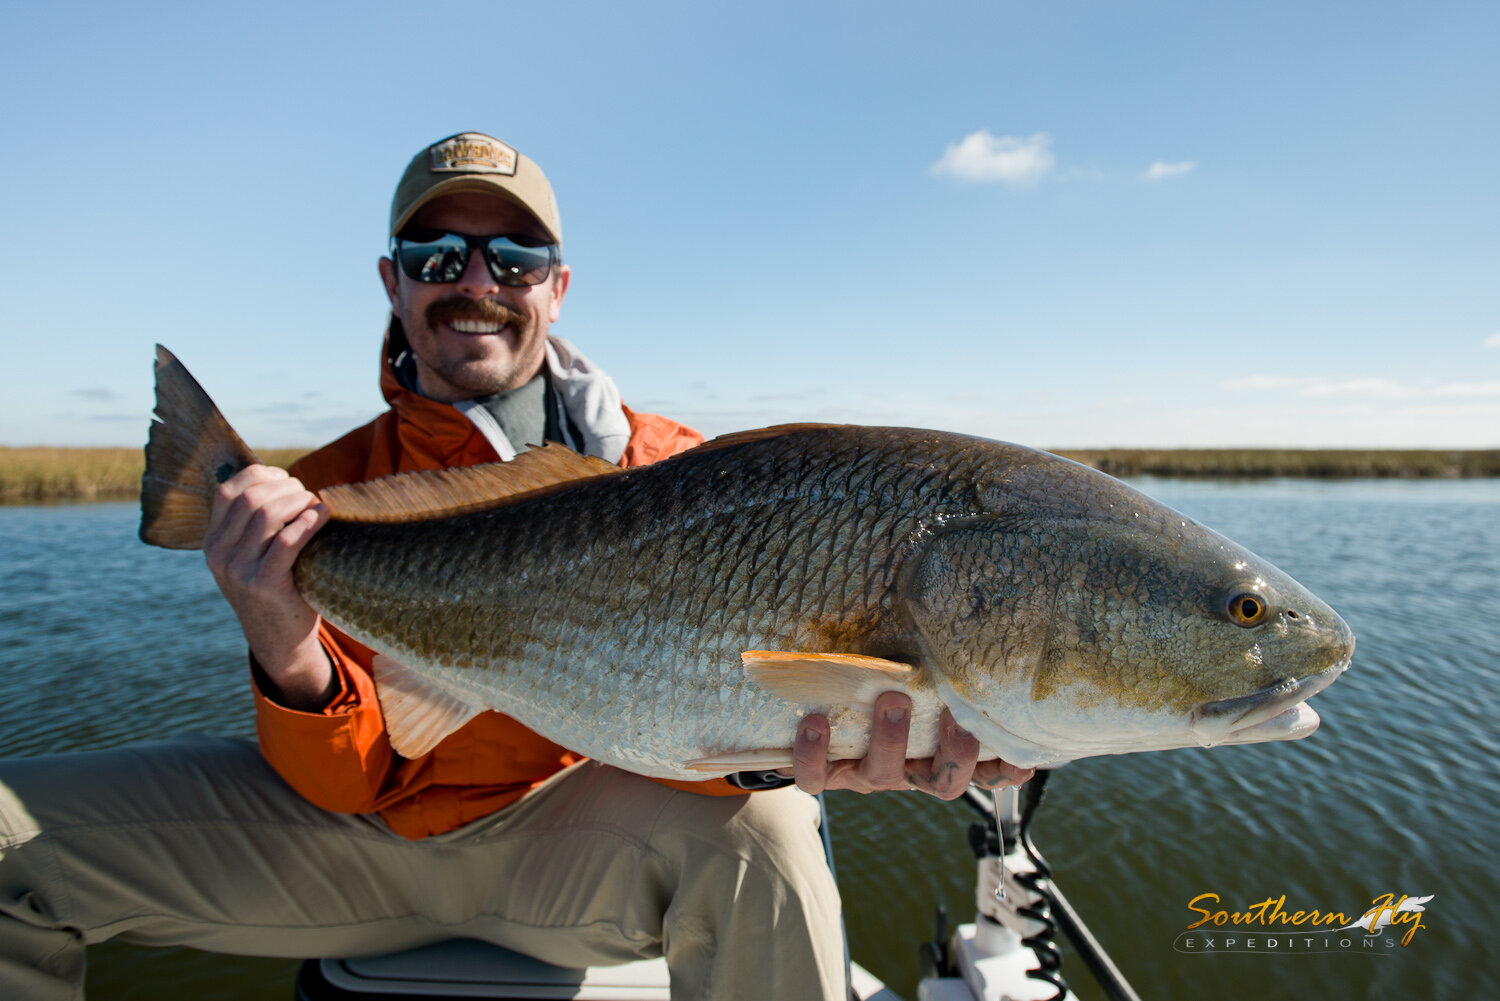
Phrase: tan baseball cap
pixel 473 161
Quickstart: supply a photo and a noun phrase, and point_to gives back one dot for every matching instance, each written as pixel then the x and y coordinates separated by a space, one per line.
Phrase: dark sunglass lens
pixel 514 263
pixel 440 259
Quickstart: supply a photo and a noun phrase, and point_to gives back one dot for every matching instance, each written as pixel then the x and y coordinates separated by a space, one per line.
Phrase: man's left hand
pixel 885 765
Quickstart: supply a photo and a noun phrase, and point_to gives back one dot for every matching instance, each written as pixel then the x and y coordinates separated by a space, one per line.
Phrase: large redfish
pixel 679 619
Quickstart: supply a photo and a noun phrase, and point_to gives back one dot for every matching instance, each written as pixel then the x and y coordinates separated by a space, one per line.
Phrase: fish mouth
pixel 1276 712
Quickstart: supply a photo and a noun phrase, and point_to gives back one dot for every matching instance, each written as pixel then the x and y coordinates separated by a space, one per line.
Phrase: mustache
pixel 457 307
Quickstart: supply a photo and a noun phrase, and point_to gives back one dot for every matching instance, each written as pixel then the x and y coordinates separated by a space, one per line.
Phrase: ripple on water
pixel 103 640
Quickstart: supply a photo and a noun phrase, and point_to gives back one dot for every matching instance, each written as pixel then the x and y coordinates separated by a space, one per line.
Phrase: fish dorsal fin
pixel 760 434
pixel 419 712
pixel 438 493
pixel 827 679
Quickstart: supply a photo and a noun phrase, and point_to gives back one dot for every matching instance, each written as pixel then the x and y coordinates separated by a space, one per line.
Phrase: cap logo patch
pixel 473 154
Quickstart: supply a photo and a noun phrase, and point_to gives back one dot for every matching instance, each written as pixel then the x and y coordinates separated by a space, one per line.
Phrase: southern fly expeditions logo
pixel 1269 927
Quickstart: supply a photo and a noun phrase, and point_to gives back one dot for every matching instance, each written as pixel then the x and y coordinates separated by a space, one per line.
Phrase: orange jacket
pixel 340 759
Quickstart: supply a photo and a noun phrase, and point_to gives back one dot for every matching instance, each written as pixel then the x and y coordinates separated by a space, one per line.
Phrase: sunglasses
pixel 437 257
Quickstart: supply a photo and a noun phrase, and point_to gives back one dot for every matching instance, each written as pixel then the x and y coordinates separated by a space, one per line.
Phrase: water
pixel 104 640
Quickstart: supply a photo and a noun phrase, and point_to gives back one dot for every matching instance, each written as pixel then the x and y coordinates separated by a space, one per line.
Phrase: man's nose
pixel 476 281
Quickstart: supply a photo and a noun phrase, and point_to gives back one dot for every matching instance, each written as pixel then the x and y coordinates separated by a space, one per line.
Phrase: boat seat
pixel 466 968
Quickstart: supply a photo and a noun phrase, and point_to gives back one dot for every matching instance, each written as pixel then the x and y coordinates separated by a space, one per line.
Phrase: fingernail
pixel 896 714
pixel 812 733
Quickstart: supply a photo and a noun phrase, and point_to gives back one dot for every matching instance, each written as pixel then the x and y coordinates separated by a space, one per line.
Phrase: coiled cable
pixel 1043 943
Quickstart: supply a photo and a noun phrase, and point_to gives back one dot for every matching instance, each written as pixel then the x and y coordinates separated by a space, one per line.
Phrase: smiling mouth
pixel 477 326
pixel 475 317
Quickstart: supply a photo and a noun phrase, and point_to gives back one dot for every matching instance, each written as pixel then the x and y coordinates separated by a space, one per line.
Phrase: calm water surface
pixel 104 640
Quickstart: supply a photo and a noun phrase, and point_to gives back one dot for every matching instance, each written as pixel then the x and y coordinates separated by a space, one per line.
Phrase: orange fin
pixel 419 711
pixel 827 679
pixel 438 493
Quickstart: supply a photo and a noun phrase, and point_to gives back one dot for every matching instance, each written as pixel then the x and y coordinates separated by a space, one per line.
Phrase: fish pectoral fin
pixel 440 493
pixel 419 712
pixel 743 761
pixel 827 679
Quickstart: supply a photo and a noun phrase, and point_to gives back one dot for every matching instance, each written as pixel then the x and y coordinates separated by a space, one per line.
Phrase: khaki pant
pixel 198 842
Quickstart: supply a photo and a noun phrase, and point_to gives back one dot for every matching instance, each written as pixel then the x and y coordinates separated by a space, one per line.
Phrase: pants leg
pixel 198 842
pixel 606 866
pixel 194 841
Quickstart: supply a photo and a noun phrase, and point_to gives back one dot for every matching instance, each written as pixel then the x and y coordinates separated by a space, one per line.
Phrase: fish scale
pixel 574 647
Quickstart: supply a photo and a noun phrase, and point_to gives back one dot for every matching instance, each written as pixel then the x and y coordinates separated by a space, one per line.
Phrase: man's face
pixel 474 337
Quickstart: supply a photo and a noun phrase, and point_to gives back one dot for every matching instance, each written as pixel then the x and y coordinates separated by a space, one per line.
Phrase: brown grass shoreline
pixel 42 475
pixel 1295 463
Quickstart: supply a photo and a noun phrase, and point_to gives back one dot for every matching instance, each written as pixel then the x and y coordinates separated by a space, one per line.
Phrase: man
pixel 343 847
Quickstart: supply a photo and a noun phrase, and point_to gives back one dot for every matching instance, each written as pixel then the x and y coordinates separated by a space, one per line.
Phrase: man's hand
pixel 261 520
pixel 886 766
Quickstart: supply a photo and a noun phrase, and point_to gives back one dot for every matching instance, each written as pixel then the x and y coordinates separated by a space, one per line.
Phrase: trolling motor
pixel 1010 951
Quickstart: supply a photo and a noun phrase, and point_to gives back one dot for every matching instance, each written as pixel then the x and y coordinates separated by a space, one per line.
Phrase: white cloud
pixel 1491 388
pixel 1260 383
pixel 1161 170
pixel 1376 388
pixel 980 156
pixel 1492 341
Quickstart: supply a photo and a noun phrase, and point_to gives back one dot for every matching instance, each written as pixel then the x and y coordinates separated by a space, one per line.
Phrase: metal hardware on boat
pixel 937 961
pixel 1012 942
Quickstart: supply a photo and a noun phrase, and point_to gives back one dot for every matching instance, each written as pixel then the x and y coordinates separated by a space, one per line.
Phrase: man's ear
pixel 559 289
pixel 392 287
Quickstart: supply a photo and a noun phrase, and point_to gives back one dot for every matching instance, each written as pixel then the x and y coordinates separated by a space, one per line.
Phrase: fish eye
pixel 1247 609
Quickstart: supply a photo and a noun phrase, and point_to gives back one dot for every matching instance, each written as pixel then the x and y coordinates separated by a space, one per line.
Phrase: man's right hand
pixel 262 518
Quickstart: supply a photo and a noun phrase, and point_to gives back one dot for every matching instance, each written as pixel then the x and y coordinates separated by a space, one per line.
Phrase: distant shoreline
pixel 1293 463
pixel 40 475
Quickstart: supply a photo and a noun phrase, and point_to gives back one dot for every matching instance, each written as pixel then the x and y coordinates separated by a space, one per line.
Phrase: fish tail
pixel 192 449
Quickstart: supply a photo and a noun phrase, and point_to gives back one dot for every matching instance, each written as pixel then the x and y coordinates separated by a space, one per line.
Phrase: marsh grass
pixel 1252 463
pixel 37 475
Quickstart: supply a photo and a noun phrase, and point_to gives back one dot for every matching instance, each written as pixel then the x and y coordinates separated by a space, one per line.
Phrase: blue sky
pixel 1062 224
